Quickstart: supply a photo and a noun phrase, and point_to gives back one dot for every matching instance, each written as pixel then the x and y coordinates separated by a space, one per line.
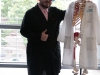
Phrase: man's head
pixel 45 3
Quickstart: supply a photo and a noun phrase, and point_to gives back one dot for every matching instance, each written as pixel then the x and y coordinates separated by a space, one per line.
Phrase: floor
pixel 23 71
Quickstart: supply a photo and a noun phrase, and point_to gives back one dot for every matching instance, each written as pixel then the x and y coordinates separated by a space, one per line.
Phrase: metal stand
pixel 80 71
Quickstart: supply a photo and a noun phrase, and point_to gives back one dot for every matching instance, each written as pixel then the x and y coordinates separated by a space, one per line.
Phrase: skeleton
pixel 77 18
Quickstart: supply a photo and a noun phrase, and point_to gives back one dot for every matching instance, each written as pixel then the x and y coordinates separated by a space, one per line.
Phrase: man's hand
pixel 44 36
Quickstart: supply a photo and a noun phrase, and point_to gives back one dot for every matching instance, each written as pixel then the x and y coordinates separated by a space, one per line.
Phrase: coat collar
pixel 39 12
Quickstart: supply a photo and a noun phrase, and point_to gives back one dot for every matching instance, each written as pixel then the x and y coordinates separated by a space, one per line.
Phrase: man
pixel 41 30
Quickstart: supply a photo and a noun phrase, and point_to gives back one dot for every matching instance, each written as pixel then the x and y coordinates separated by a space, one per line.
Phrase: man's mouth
pixel 47 2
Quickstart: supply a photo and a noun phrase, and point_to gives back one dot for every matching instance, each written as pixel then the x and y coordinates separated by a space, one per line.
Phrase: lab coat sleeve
pixel 61 36
pixel 97 23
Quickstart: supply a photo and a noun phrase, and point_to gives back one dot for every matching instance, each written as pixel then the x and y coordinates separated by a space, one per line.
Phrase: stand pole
pixel 80 71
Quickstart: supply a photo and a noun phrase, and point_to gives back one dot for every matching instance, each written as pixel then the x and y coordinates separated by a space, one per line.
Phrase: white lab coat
pixel 90 37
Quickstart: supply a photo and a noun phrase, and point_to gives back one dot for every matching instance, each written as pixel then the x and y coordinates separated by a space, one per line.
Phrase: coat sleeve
pixel 61 36
pixel 66 28
pixel 97 23
pixel 59 13
pixel 26 29
pixel 62 14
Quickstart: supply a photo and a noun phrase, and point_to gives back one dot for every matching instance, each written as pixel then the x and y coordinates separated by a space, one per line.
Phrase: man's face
pixel 45 3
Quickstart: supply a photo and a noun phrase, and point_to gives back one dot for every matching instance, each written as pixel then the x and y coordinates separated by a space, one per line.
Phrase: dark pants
pixel 44 73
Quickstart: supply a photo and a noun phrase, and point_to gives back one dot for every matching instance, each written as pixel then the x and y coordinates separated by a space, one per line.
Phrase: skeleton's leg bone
pixel 85 72
pixel 75 70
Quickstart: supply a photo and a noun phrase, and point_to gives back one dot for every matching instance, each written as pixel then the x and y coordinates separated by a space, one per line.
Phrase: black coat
pixel 42 55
